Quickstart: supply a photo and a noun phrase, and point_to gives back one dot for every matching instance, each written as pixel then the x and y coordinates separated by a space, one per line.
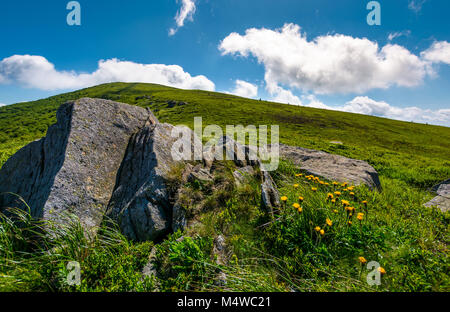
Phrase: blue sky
pixel 313 53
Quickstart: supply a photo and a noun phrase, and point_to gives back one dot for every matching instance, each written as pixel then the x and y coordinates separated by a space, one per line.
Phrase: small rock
pixel 221 280
pixel 200 174
pixel 179 221
pixel 242 175
pixel 270 197
pixel 219 249
pixel 442 200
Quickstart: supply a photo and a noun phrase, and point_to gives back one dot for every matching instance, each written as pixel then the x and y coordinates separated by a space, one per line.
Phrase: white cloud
pixel 287 97
pixel 284 96
pixel 439 52
pixel 416 5
pixel 326 64
pixel 245 89
pixel 37 72
pixel 398 34
pixel 314 102
pixel 368 106
pixel 1 104
pixel 186 12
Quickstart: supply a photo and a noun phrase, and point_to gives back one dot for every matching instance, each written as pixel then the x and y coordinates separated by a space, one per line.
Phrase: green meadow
pixel 284 253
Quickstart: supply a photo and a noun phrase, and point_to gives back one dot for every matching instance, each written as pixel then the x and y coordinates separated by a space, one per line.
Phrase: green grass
pixel 31 259
pixel 407 239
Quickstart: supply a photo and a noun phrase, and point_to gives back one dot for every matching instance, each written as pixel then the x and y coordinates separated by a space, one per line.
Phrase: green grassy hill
pixel 415 153
pixel 409 240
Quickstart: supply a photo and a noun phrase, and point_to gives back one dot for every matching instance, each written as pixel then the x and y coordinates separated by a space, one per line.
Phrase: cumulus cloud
pixel 245 89
pixel 327 64
pixel 281 95
pixel 439 52
pixel 310 100
pixel 368 106
pixel 37 72
pixel 186 12
pixel 1 104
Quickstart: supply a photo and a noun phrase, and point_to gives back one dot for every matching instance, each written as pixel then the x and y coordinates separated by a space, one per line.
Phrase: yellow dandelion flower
pixel 335 183
pixel 349 222
pixel 335 211
pixel 284 198
pixel 300 198
pixel 317 228
pixel 349 209
pixel 322 232
pixel 345 190
pixel 360 216
pixel 362 260
pixel 300 209
pixel 330 196
pixel 337 193
pixel 364 202
pixel 295 185
pixel 329 222
pixel 344 184
pixel 314 189
pixel 382 270
pixel 352 194
pixel 296 205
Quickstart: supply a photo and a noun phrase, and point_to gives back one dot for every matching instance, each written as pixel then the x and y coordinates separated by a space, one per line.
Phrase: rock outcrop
pixel 442 200
pixel 331 167
pixel 73 169
pixel 141 202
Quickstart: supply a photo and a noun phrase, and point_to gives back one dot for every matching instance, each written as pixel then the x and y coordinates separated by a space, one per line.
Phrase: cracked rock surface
pixel 73 169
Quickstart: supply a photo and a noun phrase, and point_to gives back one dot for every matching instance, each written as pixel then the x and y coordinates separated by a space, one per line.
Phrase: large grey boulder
pixel 331 167
pixel 442 200
pixel 73 169
pixel 142 202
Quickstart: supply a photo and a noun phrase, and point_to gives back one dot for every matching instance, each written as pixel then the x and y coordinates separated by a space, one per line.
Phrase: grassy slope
pixel 409 240
pixel 415 153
